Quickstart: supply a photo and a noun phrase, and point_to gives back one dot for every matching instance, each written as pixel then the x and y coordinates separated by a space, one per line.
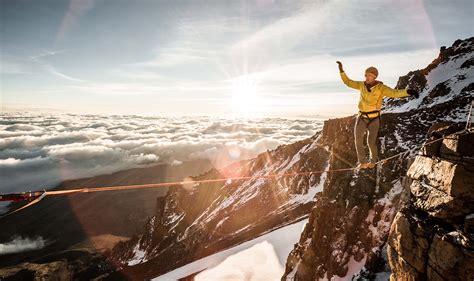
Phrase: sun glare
pixel 246 96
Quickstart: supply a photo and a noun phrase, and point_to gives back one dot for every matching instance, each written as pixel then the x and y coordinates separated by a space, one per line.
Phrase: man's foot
pixel 362 166
pixel 371 165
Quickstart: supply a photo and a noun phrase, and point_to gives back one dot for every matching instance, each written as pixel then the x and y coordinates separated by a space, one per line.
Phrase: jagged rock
pixel 436 202
pixel 408 242
pixel 454 179
pixel 448 260
pixel 31 271
pixel 458 147
pixel 401 270
pixel 432 238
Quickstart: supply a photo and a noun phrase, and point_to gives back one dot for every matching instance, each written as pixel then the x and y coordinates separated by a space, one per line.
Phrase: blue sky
pixel 264 57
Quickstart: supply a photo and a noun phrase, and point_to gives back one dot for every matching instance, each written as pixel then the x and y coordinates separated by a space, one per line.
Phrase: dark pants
pixel 372 126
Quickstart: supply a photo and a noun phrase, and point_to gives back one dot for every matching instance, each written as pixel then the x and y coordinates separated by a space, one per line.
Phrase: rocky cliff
pixel 351 221
pixel 350 213
pixel 432 237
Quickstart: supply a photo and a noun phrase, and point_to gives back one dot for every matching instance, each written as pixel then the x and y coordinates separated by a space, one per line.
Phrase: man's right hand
pixel 340 66
pixel 413 93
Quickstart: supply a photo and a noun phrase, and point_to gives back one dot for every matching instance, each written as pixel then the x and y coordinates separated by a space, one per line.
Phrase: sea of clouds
pixel 37 151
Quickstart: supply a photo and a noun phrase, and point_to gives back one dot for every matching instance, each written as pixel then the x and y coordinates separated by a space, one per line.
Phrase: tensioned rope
pixel 37 196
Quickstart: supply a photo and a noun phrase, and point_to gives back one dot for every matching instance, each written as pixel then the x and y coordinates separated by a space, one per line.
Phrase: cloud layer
pixel 19 244
pixel 38 151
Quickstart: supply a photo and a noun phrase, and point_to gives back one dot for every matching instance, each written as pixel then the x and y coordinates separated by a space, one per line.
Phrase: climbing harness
pixel 366 116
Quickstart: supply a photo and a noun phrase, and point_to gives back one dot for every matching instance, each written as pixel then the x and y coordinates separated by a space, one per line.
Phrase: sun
pixel 246 97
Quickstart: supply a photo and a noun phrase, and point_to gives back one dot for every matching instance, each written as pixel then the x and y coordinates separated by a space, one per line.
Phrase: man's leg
pixel 359 131
pixel 372 139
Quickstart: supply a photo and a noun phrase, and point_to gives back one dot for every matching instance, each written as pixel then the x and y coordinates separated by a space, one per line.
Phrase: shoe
pixel 371 165
pixel 362 166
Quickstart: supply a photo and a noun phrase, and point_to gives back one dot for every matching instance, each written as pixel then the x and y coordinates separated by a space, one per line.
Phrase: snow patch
pixel 281 240
pixel 450 74
pixel 259 261
pixel 312 191
pixel 139 256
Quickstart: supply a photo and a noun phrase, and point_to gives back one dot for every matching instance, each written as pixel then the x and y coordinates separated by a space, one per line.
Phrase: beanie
pixel 372 70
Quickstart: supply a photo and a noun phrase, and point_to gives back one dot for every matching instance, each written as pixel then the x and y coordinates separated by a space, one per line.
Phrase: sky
pixel 214 58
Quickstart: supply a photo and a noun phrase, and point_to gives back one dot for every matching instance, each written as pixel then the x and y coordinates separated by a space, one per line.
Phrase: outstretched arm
pixel 349 83
pixel 394 93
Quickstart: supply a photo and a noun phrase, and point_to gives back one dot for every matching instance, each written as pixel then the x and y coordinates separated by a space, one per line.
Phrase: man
pixel 372 93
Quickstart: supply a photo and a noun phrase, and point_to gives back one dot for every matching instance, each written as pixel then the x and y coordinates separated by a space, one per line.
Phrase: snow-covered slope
pixel 263 258
pixel 449 77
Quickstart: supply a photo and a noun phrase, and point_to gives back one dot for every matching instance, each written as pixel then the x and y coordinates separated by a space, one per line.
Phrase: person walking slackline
pixel 372 93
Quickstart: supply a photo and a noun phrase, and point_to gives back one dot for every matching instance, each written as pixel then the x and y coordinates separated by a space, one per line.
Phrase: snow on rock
pixel 448 77
pixel 138 257
pixel 313 190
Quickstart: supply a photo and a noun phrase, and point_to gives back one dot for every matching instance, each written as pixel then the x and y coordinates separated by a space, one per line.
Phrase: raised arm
pixel 349 83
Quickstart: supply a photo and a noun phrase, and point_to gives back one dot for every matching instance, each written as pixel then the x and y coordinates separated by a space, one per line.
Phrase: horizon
pixel 247 59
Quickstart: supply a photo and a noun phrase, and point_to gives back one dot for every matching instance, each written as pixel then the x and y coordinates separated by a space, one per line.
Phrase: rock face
pixel 346 236
pixel 350 213
pixel 432 238
pixel 196 220
pixel 350 221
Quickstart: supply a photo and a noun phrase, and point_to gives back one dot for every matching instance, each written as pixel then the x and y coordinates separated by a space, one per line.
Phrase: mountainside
pixel 349 226
pixel 350 212
pixel 200 219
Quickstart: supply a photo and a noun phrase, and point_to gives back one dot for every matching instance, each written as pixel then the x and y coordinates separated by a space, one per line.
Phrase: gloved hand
pixel 413 93
pixel 340 66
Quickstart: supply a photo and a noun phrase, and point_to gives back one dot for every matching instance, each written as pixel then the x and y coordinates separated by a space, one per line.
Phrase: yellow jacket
pixel 372 101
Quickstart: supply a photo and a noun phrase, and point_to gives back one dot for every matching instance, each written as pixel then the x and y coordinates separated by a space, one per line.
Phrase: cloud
pixel 285 33
pixel 19 244
pixel 54 71
pixel 40 150
pixel 40 59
